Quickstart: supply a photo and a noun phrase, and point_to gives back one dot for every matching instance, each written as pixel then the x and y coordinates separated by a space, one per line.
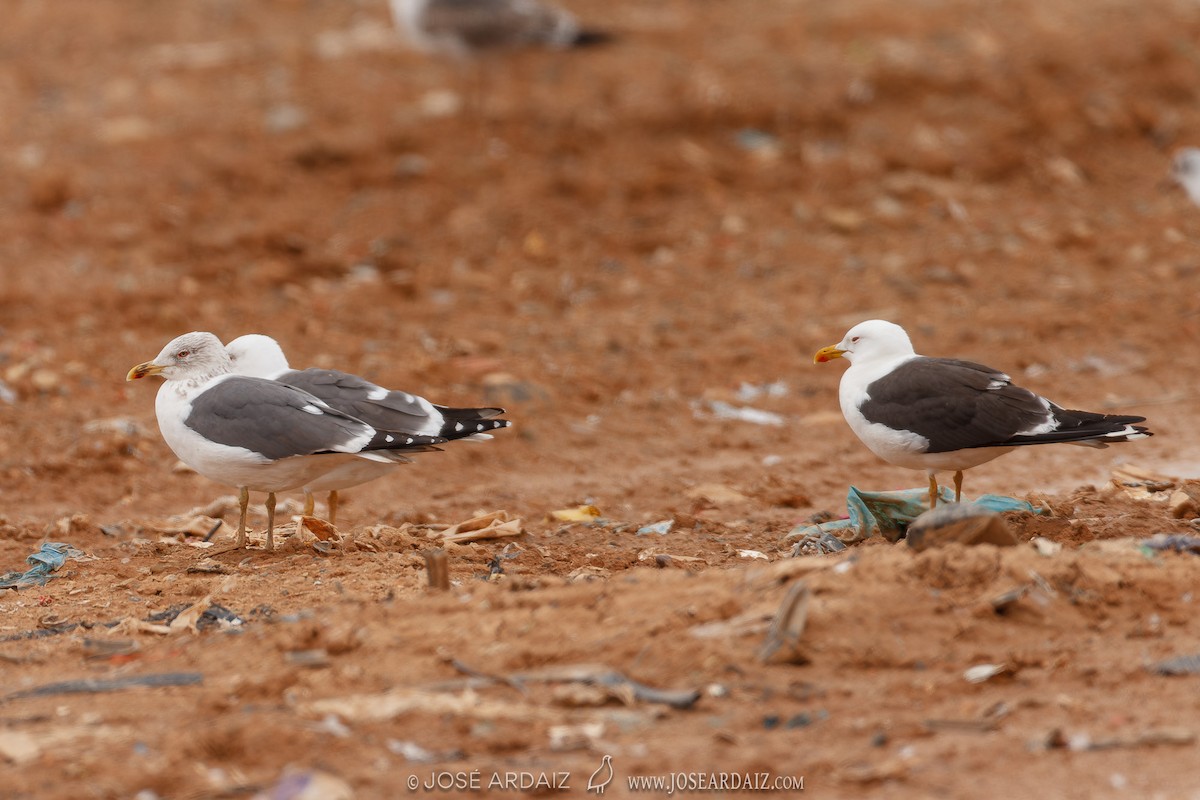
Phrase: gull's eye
pixel 853 339
pixel 183 354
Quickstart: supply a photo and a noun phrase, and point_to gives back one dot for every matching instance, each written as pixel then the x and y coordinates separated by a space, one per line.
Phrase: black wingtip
pixel 464 429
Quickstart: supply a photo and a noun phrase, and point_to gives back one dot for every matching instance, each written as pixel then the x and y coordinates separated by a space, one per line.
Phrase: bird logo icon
pixel 602 777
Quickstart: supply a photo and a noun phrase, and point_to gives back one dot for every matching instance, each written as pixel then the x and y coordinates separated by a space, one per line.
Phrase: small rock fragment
pixel 965 523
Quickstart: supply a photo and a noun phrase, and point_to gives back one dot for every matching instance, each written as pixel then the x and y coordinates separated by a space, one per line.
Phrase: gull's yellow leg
pixel 333 503
pixel 958 486
pixel 933 491
pixel 309 503
pixel 270 520
pixel 243 502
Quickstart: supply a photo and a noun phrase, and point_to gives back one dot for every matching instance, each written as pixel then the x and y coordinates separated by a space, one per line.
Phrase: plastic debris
pixel 586 513
pixel 202 615
pixel 985 672
pixel 749 392
pixel 415 753
pixel 719 409
pixel 96 685
pixel 660 528
pixel 311 785
pixel 46 560
pixel 1179 543
pixel 1179 665
pixel 1046 547
pixel 886 514
pixel 754 140
pixel 496 525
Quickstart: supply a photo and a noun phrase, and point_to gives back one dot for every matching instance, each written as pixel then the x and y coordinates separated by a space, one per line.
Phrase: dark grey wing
pixel 954 404
pixel 378 407
pixel 273 419
pixel 484 24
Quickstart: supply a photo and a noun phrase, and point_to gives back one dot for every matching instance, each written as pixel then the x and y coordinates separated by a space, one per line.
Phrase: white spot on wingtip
pixel 311 409
pixel 389 438
pixel 458 426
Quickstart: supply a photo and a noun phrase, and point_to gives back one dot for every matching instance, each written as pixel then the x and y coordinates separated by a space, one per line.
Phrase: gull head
pixel 187 357
pixel 866 341
pixel 256 355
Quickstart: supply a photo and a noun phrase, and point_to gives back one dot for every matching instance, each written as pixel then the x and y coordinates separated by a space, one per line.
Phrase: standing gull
pixel 256 434
pixel 261 356
pixel 940 414
pixel 464 27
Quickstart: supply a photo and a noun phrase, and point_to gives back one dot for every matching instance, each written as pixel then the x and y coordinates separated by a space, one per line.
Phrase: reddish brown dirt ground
pixel 605 242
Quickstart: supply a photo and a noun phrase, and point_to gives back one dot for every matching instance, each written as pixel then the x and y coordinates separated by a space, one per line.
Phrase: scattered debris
pixel 496 525
pixel 588 573
pixel 659 528
pixel 618 686
pixel 190 525
pixel 97 685
pixel 719 409
pixel 963 725
pixel 310 785
pixel 749 392
pixel 1083 742
pixel 961 523
pixel 1185 501
pixel 1138 483
pixel 496 565
pixel 575 737
pixel 312 658
pixel 1004 601
pixel 783 637
pixel 741 625
pixel 753 554
pixel 981 673
pixel 437 568
pixel 322 530
pixel 716 494
pixel 416 754
pixel 109 648
pixel 202 615
pixel 1179 665
pixel 208 566
pixel 49 557
pixel 1046 547
pixel 585 513
pixel 1177 542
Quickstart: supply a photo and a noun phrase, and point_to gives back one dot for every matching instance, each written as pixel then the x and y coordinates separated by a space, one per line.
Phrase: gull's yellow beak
pixel 142 370
pixel 823 355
